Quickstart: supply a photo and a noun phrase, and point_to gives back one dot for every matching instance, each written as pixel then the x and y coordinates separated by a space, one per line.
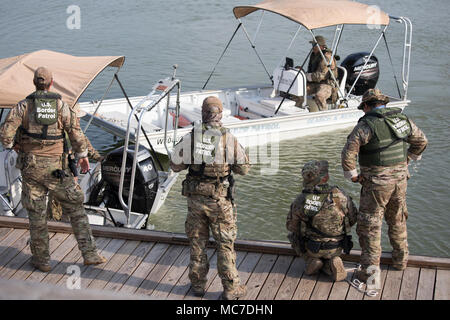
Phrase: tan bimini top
pixel 71 75
pixel 315 14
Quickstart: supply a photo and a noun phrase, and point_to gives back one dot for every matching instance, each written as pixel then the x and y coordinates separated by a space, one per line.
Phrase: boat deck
pixel 154 265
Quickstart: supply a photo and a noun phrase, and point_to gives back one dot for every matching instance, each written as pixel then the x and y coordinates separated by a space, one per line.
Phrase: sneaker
pixel 199 290
pixel 43 266
pixel 399 266
pixel 233 294
pixel 93 258
pixel 338 272
pixel 313 266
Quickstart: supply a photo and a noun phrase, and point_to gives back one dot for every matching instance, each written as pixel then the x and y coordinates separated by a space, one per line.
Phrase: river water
pixel 154 35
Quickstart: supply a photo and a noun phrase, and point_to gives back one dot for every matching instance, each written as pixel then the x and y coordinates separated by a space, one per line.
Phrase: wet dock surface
pixel 154 265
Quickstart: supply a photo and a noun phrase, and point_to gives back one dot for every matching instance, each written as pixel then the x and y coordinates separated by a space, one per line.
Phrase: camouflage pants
pixel 377 200
pixel 37 182
pixel 205 213
pixel 322 91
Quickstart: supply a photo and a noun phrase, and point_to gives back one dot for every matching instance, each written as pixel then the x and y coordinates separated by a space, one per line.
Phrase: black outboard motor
pixel 369 77
pixel 145 182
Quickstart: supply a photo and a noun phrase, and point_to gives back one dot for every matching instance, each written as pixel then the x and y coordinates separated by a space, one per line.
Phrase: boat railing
pixel 160 91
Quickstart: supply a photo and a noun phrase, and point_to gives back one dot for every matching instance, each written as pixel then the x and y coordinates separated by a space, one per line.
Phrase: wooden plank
pixel 184 284
pixel 10 239
pixel 392 285
pixel 270 247
pixel 384 270
pixel 4 232
pixel 340 288
pixel 154 277
pixel 426 284
pixel 89 273
pixel 101 246
pixel 63 248
pixel 442 291
pixel 248 265
pixel 19 260
pixel 305 287
pixel 275 278
pixel 173 275
pixel 113 265
pixel 322 288
pixel 14 249
pixel 290 282
pixel 214 291
pixel 72 258
pixel 410 281
pixel 129 266
pixel 212 272
pixel 259 275
pixel 144 268
pixel 27 268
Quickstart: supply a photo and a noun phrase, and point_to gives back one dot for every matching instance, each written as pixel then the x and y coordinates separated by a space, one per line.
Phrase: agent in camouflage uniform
pixel 380 140
pixel 319 222
pixel 211 154
pixel 41 120
pixel 318 76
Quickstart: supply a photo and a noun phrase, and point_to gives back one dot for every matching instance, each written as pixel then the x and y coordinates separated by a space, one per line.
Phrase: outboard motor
pixel 369 77
pixel 145 183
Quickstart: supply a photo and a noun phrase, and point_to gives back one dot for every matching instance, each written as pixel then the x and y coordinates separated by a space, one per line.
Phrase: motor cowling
pixel 369 77
pixel 145 182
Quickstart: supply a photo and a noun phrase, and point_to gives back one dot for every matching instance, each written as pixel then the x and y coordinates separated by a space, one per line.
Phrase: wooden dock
pixel 154 265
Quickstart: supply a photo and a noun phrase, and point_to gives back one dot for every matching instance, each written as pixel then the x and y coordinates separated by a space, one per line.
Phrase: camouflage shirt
pixel 330 218
pixel 67 121
pixel 361 135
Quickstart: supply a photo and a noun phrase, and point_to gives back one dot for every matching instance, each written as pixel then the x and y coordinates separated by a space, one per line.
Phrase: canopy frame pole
pixel 367 61
pixel 337 37
pixel 290 45
pixel 392 66
pixel 335 45
pixel 100 103
pixel 259 26
pixel 221 56
pixel 254 49
pixel 406 54
pixel 328 66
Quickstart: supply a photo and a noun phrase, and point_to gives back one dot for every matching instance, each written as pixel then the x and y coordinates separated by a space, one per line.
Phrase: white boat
pixel 258 114
pixel 104 186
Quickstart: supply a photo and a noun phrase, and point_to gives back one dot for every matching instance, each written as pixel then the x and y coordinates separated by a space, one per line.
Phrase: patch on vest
pixel 313 204
pixel 46 111
pixel 400 126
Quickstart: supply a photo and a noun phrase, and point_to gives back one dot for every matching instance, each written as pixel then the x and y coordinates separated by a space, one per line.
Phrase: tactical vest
pixel 388 145
pixel 205 144
pixel 316 210
pixel 41 131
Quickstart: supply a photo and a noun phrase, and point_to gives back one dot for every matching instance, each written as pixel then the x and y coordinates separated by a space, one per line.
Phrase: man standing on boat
pixel 380 141
pixel 40 121
pixel 212 154
pixel 319 222
pixel 318 76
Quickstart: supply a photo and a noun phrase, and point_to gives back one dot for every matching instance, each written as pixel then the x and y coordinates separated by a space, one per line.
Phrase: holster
pixel 347 244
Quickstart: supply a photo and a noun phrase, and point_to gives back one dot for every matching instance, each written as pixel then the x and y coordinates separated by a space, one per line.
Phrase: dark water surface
pixel 154 35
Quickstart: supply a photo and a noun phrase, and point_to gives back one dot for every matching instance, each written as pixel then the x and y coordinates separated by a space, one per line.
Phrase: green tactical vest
pixel 46 104
pixel 388 145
